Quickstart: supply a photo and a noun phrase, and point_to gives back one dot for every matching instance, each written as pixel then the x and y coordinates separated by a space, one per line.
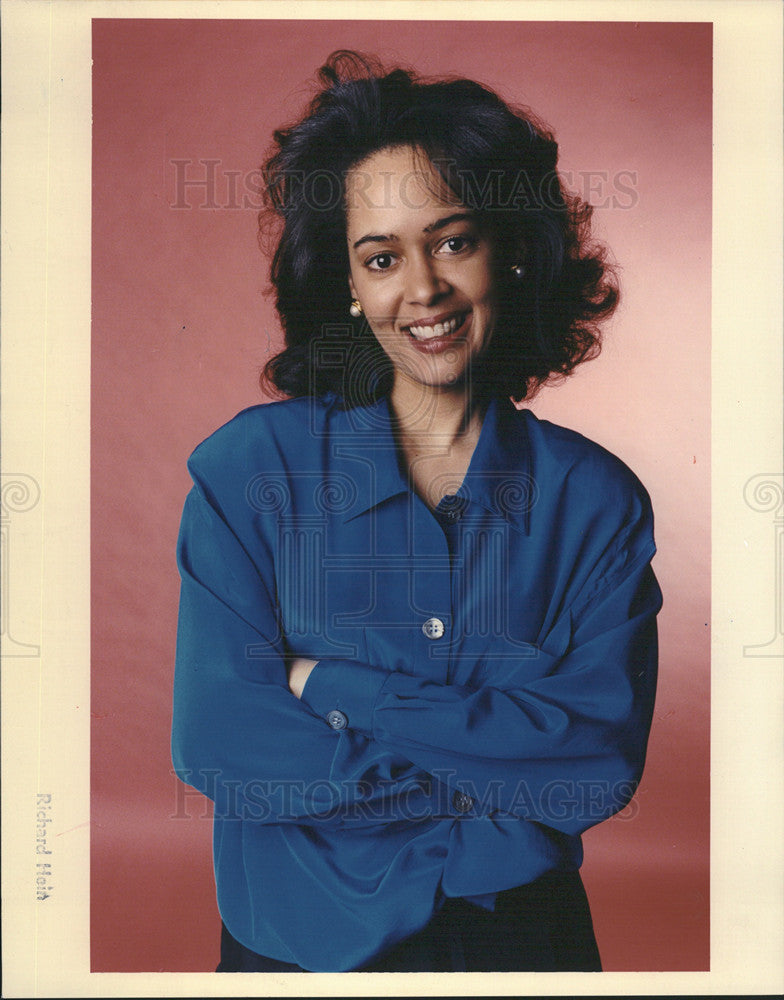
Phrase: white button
pixel 462 802
pixel 433 628
pixel 337 719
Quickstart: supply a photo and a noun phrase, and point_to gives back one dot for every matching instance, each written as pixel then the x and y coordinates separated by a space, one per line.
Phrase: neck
pixel 442 418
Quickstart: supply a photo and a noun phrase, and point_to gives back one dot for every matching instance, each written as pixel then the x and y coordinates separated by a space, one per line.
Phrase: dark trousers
pixel 541 927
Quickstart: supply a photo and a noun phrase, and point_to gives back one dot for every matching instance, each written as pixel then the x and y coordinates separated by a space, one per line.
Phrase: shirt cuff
pixel 344 693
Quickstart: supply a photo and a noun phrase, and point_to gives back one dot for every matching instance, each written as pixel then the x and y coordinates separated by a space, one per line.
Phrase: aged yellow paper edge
pixel 45 397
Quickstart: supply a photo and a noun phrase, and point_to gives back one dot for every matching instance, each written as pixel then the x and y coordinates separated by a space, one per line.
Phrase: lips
pixel 429 329
pixel 436 332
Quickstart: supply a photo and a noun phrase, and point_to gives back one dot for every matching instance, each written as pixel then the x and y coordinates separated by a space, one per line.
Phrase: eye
pixel 457 244
pixel 380 262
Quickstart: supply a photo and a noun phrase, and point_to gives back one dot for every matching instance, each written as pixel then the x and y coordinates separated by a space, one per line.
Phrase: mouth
pixel 438 331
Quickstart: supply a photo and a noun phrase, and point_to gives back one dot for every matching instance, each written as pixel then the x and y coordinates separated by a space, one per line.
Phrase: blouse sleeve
pixel 565 748
pixel 239 735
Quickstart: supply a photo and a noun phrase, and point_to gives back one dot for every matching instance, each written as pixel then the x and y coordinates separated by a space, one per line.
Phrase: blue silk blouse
pixel 486 672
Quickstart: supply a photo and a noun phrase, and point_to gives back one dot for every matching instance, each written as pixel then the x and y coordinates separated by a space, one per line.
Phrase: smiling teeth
pixel 439 330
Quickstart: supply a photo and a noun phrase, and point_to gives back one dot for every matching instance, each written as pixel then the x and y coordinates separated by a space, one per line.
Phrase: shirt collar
pixel 499 474
pixel 364 434
pixel 498 477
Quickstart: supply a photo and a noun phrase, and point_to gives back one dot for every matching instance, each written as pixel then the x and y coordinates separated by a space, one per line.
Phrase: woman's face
pixel 421 268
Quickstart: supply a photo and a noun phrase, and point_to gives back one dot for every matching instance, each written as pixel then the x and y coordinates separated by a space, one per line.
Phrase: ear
pixel 352 289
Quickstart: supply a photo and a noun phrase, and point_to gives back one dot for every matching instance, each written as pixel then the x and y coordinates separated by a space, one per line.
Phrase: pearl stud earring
pixel 355 308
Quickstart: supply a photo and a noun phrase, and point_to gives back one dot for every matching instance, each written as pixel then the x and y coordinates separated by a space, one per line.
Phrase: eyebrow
pixel 434 227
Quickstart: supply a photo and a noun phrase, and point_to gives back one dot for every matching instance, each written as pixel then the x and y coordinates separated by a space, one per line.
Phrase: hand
pixel 299 669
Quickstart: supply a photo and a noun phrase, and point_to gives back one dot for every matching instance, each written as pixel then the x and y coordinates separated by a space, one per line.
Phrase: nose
pixel 424 284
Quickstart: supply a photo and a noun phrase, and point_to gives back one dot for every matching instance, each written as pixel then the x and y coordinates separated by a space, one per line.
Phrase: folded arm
pixel 563 744
pixel 239 735
pixel 565 748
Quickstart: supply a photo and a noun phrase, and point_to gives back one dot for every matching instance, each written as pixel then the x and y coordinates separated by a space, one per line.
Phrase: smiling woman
pixel 421 270
pixel 417 645
pixel 470 153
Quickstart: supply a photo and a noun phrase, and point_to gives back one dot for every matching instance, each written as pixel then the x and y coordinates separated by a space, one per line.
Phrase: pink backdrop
pixel 181 327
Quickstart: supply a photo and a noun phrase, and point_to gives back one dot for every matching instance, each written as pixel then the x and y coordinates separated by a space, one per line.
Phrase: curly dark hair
pixel 500 162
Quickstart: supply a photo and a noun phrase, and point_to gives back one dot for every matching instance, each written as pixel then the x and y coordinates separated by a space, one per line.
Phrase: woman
pixel 417 645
